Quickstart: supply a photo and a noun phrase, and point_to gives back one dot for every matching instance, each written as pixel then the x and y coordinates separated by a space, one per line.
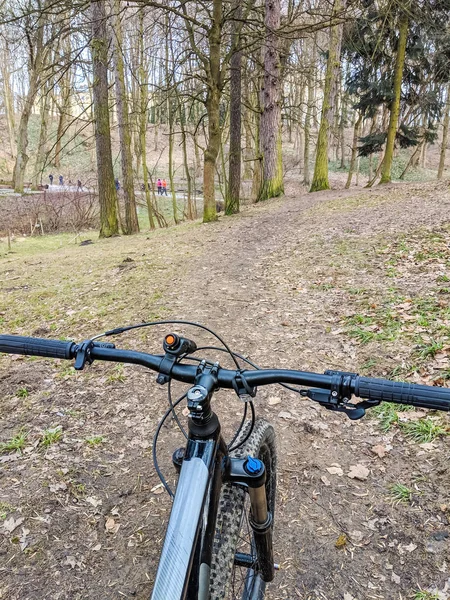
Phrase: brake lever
pixel 332 402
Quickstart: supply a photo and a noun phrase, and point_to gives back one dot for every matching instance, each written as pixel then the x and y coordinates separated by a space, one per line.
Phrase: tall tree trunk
pixel 109 225
pixel 444 135
pixel 320 178
pixel 395 105
pixel 270 126
pixel 143 120
pixel 36 59
pixel 66 90
pixel 308 116
pixel 41 149
pixel 214 78
pixel 356 133
pixel 22 137
pixel 343 121
pixel 234 178
pixel 191 208
pixel 412 159
pixel 170 115
pixel 8 99
pixel 131 224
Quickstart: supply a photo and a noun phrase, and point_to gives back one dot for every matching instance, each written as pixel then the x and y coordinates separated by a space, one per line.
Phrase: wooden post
pixel 9 241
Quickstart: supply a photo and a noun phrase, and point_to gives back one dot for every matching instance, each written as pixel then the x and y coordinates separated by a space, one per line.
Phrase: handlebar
pixel 341 386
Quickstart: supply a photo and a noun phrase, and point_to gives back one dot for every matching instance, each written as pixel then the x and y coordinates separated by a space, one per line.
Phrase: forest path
pixel 279 282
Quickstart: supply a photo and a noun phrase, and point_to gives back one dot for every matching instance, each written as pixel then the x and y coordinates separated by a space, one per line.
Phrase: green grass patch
pixel 379 325
pixel 16 443
pixel 430 349
pixel 117 375
pixel 22 393
pixel 400 493
pixel 424 430
pixel 5 508
pixel 95 440
pixel 424 595
pixel 387 414
pixel 51 436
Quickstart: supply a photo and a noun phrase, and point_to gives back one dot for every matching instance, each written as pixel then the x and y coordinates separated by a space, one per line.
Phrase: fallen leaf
pixel 157 489
pixel 23 538
pixel 358 472
pixel 335 471
pixel 428 446
pixel 395 578
pixel 341 541
pixel 56 487
pixel 273 400
pixel 11 524
pixel 111 526
pixel 324 479
pixel 348 596
pixel 379 450
pixel 356 536
pixel 94 501
pixel 285 415
pixel 71 561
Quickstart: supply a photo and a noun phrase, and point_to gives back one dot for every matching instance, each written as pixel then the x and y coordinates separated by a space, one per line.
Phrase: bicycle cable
pixel 120 330
pixel 155 441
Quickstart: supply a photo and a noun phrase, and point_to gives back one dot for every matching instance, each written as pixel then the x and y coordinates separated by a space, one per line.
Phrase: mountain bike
pixel 218 542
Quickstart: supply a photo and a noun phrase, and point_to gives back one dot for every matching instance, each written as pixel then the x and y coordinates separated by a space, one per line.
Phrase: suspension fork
pixel 251 472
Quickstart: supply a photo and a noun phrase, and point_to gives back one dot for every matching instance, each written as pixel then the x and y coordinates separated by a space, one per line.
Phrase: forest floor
pixel 355 280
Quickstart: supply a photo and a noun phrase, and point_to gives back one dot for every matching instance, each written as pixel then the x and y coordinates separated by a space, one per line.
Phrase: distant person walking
pixel 51 179
pixel 79 186
pixel 164 187
pixel 159 186
pixel 117 184
pixel 61 180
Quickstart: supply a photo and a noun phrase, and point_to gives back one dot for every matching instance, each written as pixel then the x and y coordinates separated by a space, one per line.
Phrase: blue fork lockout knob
pixel 253 465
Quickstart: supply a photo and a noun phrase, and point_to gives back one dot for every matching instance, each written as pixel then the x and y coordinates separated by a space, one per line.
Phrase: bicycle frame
pixel 197 497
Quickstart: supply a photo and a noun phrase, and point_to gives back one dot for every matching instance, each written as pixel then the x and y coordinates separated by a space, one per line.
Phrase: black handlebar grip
pixel 425 396
pixel 16 344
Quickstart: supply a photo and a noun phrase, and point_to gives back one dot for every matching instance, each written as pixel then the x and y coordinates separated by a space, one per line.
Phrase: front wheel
pixel 233 543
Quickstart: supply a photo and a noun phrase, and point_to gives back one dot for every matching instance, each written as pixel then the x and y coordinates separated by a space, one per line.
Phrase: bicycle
pixel 218 542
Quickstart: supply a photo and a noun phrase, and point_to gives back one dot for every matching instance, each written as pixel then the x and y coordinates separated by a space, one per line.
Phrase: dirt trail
pixel 274 282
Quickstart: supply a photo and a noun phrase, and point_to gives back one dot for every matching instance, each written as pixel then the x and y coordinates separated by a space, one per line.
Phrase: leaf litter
pixel 281 260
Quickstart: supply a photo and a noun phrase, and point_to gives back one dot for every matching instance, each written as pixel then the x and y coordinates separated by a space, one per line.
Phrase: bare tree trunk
pixel 191 208
pixel 36 59
pixel 234 179
pixel 395 105
pixel 22 138
pixel 444 135
pixel 308 116
pixel 320 178
pixel 41 149
pixel 131 224
pixel 170 115
pixel 214 78
pixel 109 225
pixel 412 159
pixel 342 123
pixel 66 90
pixel 143 119
pixel 356 133
pixel 8 98
pixel 270 126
